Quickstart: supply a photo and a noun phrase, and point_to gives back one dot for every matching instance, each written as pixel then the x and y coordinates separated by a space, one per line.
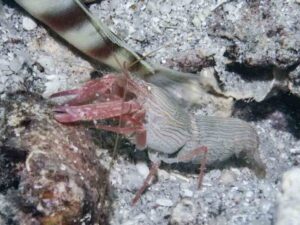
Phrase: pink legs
pixel 194 153
pixel 187 157
pixel 147 182
pixel 202 168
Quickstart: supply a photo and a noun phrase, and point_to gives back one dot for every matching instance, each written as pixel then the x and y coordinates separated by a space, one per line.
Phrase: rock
pixel 142 169
pixel 52 182
pixel 260 46
pixel 28 24
pixel 164 202
pixel 289 199
pixel 183 213
pixel 136 220
pixel 163 174
pixel 295 150
pixel 227 177
pixel 187 193
pixel 294 81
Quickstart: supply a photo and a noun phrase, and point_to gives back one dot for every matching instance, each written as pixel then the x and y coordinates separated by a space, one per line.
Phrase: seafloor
pixel 252 47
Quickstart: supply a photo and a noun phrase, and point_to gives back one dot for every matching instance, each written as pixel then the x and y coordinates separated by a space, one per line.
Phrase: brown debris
pixel 60 181
pixel 190 61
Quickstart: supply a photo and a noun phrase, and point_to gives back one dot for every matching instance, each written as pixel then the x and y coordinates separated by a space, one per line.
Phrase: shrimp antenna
pixel 148 54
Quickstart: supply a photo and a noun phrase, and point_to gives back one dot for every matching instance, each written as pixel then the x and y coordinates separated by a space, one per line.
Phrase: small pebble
pixel 227 177
pixel 187 193
pixel 164 202
pixel 295 150
pixel 142 169
pixel 163 174
pixel 28 24
pixel 183 213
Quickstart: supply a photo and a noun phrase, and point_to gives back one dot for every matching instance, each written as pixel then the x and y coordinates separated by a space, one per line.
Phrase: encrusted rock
pixel 289 199
pixel 55 176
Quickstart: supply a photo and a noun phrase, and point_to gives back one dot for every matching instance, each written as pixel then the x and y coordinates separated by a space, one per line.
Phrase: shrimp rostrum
pixel 152 119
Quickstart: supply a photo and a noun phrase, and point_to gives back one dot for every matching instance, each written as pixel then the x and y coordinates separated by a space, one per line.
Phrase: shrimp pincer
pixel 152 119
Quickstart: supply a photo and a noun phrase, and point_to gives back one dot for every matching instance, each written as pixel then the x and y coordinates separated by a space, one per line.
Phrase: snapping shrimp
pixel 152 119
pixel 150 116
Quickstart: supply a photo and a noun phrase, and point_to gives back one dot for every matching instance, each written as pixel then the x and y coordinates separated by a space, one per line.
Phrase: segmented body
pixel 171 128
